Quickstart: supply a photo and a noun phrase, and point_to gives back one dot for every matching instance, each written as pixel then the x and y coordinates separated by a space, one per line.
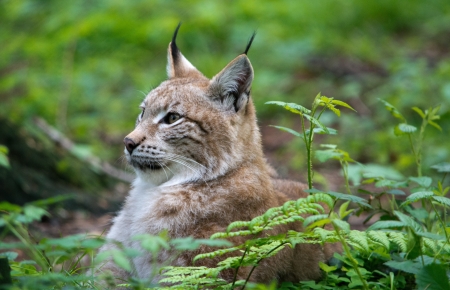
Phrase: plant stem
pixel 350 257
pixel 237 269
pixel 259 260
pixel 344 165
pixel 416 158
pixel 419 147
pixel 41 261
pixel 443 226
pixel 308 153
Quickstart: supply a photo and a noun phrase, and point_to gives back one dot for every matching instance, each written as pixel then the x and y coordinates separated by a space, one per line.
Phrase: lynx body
pixel 197 153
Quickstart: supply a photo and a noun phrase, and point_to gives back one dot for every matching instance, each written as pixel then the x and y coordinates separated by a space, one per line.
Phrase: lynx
pixel 196 150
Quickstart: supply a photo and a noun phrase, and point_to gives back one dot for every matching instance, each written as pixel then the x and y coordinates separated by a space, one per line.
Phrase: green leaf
pixel 3 157
pixel 423 181
pixel 434 237
pixel 331 131
pixel 442 167
pixel 329 146
pixel 292 107
pixel 395 192
pixel 215 243
pixel 343 104
pixel 417 196
pixel 404 128
pixel 34 213
pixel 407 266
pixel 409 222
pixel 295 133
pixel 442 200
pixel 334 110
pixel 341 224
pixel 326 268
pixel 393 110
pixel 121 260
pixel 324 155
pixel 9 207
pixel 152 243
pixel 433 277
pixel 317 123
pixel 379 225
pixel 343 212
pixel 93 243
pixel 338 195
pixel 419 111
pixel 435 125
pixel 314 218
pixel 10 255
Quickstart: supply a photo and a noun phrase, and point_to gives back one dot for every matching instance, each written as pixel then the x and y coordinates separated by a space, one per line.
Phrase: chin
pixel 153 176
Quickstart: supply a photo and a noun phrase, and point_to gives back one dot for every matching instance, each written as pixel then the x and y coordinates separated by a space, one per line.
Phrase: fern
pixel 399 239
pixel 359 240
pixel 379 237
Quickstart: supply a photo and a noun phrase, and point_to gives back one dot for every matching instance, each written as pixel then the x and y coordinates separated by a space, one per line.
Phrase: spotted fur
pixel 204 170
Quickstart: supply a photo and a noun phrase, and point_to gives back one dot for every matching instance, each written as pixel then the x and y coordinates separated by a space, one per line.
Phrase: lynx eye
pixel 171 118
pixel 141 114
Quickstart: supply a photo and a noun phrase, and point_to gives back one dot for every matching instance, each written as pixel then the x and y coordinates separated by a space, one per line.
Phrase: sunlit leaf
pixel 343 104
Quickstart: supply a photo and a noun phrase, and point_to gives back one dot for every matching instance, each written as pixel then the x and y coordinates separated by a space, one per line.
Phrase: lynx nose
pixel 129 144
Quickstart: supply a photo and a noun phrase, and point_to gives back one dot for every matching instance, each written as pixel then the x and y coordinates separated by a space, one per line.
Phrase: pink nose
pixel 129 144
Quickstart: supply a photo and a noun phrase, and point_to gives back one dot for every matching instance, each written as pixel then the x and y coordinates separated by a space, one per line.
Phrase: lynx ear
pixel 177 65
pixel 232 85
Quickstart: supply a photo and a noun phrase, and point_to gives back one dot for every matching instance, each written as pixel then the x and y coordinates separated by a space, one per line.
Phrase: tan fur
pixel 213 172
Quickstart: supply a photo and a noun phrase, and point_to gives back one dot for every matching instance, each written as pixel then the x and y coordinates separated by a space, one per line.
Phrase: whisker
pixel 163 169
pixel 183 162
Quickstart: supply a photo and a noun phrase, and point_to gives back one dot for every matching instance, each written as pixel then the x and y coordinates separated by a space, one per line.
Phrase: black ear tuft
pixel 173 45
pixel 250 42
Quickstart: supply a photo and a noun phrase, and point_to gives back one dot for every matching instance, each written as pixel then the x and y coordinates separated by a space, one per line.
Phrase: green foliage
pixel 315 126
pixel 55 263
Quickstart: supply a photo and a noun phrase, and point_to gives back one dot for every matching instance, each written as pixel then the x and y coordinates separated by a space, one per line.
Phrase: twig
pixel 68 145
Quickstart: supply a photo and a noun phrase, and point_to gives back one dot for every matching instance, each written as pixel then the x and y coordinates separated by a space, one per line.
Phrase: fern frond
pixel 237 224
pixel 379 237
pixel 217 253
pixel 359 240
pixel 430 244
pixel 399 239
pixel 313 218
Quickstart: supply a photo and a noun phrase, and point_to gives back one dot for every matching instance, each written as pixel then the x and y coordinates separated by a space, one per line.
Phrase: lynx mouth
pixel 147 164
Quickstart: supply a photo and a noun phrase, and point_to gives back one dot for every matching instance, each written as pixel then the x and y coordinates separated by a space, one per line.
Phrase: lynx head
pixel 194 129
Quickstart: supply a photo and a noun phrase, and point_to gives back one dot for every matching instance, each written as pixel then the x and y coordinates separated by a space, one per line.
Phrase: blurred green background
pixel 84 67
